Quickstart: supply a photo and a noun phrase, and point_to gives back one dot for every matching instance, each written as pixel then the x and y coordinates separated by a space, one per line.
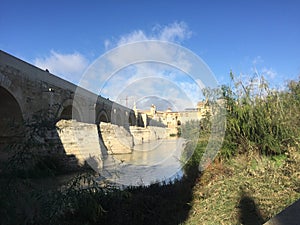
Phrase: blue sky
pixel 67 36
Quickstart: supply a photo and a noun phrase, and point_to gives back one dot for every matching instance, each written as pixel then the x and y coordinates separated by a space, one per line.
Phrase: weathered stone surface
pixel 81 140
pixel 116 138
pixel 37 90
pixel 141 134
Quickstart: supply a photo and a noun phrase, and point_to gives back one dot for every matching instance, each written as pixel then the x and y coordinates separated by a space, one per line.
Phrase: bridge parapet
pixel 35 90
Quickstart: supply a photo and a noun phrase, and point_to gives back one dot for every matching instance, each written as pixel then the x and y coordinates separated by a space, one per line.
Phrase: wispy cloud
pixel 174 32
pixel 134 36
pixel 107 43
pixel 149 79
pixel 136 69
pixel 148 66
pixel 257 60
pixel 142 79
pixel 258 68
pixel 269 73
pixel 69 66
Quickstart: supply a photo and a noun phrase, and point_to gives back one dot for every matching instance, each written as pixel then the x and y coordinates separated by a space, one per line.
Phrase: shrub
pixel 260 119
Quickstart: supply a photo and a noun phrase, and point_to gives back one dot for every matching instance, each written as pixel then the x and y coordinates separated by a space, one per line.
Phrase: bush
pixel 260 119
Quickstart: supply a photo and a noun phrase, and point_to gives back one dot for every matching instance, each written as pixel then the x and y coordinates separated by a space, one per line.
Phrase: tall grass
pixel 259 118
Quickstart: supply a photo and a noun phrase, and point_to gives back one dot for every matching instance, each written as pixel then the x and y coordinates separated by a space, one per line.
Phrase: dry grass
pixel 271 184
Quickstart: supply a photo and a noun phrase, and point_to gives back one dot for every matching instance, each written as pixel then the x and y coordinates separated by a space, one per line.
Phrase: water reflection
pixel 149 163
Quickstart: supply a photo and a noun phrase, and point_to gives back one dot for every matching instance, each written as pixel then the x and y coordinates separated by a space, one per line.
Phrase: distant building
pixel 172 119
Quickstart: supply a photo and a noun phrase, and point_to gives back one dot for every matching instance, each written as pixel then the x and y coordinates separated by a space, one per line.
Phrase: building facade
pixel 173 119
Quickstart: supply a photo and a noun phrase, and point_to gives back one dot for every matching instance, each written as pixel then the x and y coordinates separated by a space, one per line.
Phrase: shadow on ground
pixel 155 204
pixel 249 213
pixel 36 187
pixel 77 199
pixel 34 201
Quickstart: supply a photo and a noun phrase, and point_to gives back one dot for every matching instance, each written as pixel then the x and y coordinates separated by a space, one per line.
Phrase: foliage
pixel 257 118
pixel 30 155
pixel 219 196
pixel 82 200
pixel 190 130
pixel 38 204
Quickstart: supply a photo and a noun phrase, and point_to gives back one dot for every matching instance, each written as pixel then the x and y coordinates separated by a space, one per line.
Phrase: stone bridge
pixel 27 92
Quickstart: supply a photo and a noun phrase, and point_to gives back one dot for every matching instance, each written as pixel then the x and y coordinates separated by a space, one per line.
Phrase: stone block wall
pixel 87 144
pixel 116 139
pixel 141 135
pixel 82 141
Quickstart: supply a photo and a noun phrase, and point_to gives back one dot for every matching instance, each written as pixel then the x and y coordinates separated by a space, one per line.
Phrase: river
pixel 152 162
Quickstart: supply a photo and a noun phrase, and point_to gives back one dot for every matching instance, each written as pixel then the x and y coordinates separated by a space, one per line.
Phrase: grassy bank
pixel 247 189
pixel 256 173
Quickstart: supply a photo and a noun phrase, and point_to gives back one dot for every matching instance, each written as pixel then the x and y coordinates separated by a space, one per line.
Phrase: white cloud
pixel 168 76
pixel 107 44
pixel 257 60
pixel 174 32
pixel 269 72
pixel 68 66
pixel 137 35
pixel 136 69
pixel 260 70
pixel 147 87
pixel 171 70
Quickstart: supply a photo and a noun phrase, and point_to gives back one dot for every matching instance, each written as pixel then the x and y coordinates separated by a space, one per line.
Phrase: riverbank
pixel 247 189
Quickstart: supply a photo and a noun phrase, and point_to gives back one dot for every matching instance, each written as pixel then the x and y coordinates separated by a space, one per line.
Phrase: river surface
pixel 152 162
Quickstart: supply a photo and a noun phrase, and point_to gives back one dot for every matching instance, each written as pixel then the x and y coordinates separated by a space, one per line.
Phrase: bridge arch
pixel 102 116
pixel 11 118
pixel 70 110
pixel 131 119
pixel 10 109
